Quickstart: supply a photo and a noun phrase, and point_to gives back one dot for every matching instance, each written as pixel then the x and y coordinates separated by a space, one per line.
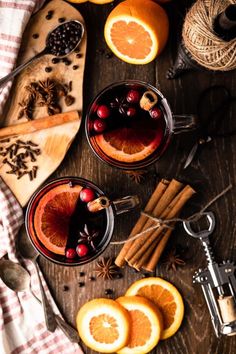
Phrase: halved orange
pixel 166 297
pixel 53 216
pixel 103 325
pixel 131 144
pixel 146 324
pixel 137 30
pixel 99 2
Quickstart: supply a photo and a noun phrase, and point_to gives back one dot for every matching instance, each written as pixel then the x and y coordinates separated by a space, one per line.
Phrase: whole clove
pixel 18 155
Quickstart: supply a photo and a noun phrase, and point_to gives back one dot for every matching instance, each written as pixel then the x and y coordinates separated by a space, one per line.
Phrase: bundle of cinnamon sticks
pixel 166 203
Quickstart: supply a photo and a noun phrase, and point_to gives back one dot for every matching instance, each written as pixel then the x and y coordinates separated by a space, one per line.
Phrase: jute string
pixel 167 222
pixel 202 42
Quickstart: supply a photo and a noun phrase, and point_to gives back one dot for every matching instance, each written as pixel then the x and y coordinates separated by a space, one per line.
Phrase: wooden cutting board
pixel 53 142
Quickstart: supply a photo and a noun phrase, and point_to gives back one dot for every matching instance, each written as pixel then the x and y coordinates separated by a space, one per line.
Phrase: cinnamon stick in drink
pixel 142 248
pixel 156 196
pixel 161 210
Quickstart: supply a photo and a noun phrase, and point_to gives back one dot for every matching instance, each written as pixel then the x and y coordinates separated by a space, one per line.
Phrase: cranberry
pixel 71 253
pixel 87 195
pixel 155 113
pixel 133 96
pixel 82 250
pixel 131 111
pixel 99 125
pixel 103 112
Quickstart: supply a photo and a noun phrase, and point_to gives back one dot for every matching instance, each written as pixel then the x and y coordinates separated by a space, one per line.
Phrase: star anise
pixel 120 104
pixel 48 85
pixel 173 260
pixel 88 236
pixel 106 269
pixel 137 176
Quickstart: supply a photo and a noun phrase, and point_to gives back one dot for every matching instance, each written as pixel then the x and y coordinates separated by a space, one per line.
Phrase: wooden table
pixel 209 174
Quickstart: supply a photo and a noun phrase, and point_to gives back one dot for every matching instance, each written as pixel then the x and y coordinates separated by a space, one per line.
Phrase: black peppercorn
pixel 67 61
pixel 119 276
pixel 81 274
pixel 48 69
pixel 81 284
pixel 49 15
pixel 35 35
pixel 92 278
pixel 108 291
pixel 65 288
pixel 61 19
pixel 55 60
pixel 75 67
pixel 78 55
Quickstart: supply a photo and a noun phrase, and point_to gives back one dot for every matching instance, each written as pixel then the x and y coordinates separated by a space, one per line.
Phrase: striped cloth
pixel 14 16
pixel 22 327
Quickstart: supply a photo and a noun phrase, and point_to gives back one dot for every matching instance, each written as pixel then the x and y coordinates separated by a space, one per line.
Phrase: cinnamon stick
pixel 139 250
pixel 161 210
pixel 152 263
pixel 156 196
pixel 39 124
pixel 146 256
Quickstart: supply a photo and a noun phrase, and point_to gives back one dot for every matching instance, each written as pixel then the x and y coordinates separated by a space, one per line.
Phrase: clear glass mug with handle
pixel 49 212
pixel 126 133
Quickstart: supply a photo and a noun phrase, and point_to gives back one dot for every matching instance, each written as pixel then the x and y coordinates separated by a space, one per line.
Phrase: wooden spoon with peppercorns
pixel 60 42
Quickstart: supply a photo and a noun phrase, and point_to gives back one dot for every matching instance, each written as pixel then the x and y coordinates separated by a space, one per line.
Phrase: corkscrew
pixel 218 282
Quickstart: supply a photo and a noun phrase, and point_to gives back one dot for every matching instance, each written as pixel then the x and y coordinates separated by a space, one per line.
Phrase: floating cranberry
pixel 71 253
pixel 99 125
pixel 133 96
pixel 103 111
pixel 155 113
pixel 82 250
pixel 87 195
pixel 131 112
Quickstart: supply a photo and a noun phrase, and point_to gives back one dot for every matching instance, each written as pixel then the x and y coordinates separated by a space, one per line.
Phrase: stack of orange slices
pixel 152 309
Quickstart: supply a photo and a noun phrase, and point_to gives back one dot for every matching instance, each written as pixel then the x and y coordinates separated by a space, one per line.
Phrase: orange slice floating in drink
pixel 53 215
pixel 130 144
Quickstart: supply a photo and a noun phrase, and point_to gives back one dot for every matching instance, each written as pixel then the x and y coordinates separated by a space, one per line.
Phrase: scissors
pixel 213 123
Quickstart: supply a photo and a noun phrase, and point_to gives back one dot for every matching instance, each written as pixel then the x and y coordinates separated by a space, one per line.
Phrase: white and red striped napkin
pixel 22 326
pixel 14 16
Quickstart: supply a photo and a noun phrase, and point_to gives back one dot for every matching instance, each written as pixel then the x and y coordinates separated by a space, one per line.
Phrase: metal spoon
pixel 17 279
pixel 47 50
pixel 27 251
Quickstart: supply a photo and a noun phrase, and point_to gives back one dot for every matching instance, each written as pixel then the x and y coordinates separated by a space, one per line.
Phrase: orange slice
pixel 166 297
pixel 137 31
pixel 53 215
pixel 130 144
pixel 146 324
pixel 103 325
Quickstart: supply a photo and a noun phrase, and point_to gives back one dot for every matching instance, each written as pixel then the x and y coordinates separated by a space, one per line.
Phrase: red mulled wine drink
pixel 70 221
pixel 67 222
pixel 126 125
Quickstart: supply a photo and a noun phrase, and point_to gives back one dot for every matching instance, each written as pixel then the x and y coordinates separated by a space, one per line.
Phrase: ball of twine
pixel 201 41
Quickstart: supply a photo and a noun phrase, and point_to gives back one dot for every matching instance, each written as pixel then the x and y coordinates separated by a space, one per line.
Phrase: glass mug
pixel 54 216
pixel 127 135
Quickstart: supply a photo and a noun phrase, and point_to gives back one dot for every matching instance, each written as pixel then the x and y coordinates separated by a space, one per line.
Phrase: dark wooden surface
pixel 212 172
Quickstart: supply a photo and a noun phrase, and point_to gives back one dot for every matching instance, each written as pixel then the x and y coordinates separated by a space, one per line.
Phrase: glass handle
pixel 123 205
pixel 184 123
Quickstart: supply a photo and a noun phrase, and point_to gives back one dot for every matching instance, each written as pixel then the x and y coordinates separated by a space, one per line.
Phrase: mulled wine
pixel 65 224
pixel 126 125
